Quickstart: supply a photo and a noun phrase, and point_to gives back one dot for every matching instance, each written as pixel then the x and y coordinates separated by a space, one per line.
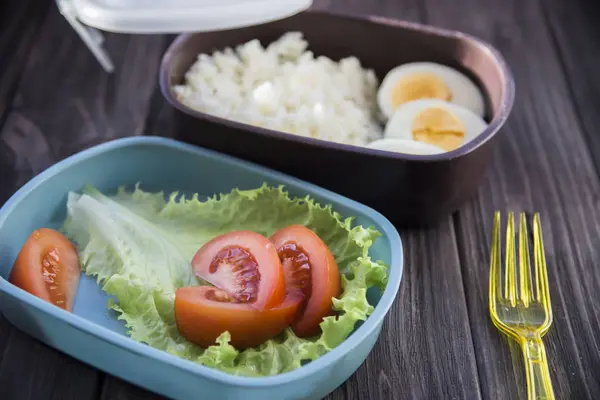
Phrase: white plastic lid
pixel 168 16
pixel 174 16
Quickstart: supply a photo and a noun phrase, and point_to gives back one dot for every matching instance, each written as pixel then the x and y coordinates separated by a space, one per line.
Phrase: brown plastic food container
pixel 410 190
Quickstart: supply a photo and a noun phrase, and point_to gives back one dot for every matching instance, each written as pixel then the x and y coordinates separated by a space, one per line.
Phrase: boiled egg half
pixel 435 122
pixel 428 80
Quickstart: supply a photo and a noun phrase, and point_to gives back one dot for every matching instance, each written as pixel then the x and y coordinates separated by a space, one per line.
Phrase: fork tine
pixel 526 286
pixel 510 279
pixel 495 271
pixel 541 272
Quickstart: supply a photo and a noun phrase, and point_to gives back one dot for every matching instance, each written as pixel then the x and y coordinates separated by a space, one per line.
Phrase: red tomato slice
pixel 309 266
pixel 48 267
pixel 203 313
pixel 245 265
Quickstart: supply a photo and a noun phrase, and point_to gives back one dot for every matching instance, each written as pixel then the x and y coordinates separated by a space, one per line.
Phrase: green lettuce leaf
pixel 139 247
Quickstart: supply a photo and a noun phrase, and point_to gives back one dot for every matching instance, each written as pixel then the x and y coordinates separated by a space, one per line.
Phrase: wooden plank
pixel 541 163
pixel 576 35
pixel 158 120
pixel 409 10
pixel 20 22
pixel 116 389
pixel 30 370
pixel 64 103
pixel 425 350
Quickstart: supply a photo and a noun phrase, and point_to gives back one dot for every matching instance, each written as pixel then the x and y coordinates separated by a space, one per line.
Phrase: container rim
pixel 374 320
pixel 505 107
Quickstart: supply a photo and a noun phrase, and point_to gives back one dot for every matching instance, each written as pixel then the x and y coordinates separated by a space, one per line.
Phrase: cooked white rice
pixel 285 88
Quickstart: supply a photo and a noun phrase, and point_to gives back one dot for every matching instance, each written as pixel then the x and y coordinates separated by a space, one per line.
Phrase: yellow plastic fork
pixel 521 309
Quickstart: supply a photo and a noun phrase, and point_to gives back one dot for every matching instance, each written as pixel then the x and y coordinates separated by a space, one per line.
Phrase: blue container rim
pixel 128 344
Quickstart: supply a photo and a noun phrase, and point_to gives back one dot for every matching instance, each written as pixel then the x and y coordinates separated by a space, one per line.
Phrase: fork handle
pixel 539 385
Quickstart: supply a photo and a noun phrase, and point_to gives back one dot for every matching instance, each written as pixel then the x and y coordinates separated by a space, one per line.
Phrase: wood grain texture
pixel 30 370
pixel 117 389
pixel 160 114
pixel 541 164
pixel 19 24
pixel 428 323
pixel 576 35
pixel 409 10
pixel 437 341
pixel 65 102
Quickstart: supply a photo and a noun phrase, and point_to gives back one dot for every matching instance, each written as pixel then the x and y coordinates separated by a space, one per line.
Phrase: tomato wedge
pixel 310 267
pixel 244 264
pixel 48 267
pixel 203 313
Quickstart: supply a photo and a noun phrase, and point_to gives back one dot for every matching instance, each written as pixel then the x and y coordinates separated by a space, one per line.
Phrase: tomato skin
pixel 324 276
pixel 201 318
pixel 48 267
pixel 244 264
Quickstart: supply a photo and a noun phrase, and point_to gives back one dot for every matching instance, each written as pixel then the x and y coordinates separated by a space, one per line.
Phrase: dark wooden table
pixel 437 342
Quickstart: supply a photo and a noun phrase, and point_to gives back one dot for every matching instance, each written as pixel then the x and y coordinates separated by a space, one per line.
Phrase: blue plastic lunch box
pixel 93 335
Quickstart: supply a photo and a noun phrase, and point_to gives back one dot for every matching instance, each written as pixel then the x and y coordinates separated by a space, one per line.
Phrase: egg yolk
pixel 437 126
pixel 422 85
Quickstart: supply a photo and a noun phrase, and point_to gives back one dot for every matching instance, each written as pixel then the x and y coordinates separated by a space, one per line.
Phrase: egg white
pixel 400 125
pixel 464 91
pixel 405 146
